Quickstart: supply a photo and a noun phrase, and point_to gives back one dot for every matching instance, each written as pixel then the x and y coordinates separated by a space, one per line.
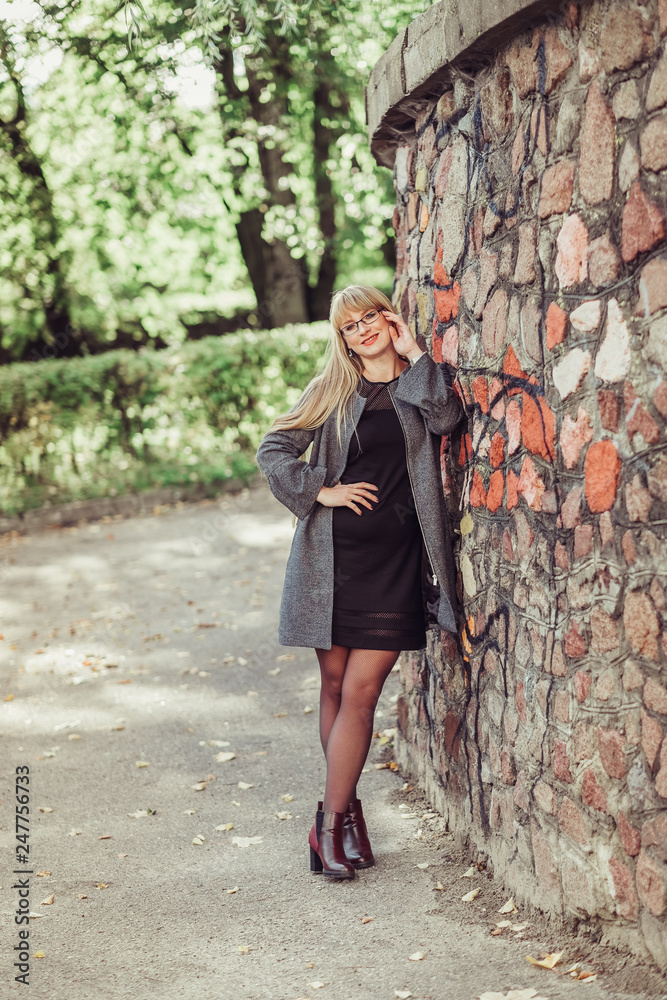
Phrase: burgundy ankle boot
pixel 355 837
pixel 326 846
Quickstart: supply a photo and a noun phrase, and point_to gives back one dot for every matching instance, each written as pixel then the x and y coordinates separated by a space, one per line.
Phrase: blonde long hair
pixel 333 388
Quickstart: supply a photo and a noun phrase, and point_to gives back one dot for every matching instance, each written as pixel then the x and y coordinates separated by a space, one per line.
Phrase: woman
pixel 371 515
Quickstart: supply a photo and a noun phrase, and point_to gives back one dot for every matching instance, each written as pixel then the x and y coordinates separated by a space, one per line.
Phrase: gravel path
pixel 135 655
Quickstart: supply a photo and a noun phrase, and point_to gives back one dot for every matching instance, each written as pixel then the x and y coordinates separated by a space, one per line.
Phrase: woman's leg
pixel 332 670
pixel 352 730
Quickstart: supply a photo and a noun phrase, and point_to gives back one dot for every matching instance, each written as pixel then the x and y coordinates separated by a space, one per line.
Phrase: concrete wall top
pixel 414 67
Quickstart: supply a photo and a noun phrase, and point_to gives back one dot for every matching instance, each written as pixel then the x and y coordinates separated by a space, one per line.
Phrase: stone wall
pixel 531 183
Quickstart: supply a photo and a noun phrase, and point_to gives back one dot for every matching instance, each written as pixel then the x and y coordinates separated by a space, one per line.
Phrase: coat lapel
pixel 357 408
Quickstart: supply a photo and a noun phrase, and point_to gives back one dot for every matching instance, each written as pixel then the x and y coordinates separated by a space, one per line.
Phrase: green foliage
pixel 122 185
pixel 127 420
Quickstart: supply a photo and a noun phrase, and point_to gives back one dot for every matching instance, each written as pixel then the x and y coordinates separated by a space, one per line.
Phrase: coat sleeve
pixel 293 482
pixel 428 386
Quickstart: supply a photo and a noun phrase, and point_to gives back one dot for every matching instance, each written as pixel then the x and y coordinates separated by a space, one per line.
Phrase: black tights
pixel 352 680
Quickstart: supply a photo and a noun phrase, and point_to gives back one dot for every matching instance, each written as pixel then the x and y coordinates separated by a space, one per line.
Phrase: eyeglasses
pixel 351 328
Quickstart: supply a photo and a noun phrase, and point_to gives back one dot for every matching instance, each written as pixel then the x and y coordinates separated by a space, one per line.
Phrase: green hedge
pixel 125 420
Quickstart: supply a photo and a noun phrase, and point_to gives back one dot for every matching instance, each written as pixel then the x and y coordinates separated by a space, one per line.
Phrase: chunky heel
pixel 313 840
pixel 315 862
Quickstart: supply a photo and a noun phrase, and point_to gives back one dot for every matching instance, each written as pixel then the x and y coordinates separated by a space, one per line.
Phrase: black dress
pixel 378 554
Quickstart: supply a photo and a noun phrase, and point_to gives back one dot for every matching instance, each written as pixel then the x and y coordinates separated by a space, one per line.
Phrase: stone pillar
pixel 529 150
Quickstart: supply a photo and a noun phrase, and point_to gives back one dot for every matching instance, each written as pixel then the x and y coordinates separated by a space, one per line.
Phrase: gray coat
pixel 426 405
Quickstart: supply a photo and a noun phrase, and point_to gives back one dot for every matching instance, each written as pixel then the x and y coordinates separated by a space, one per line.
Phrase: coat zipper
pixel 414 497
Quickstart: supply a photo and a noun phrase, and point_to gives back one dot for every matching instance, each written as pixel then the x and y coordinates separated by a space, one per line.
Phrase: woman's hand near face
pixel 404 343
pixel 347 495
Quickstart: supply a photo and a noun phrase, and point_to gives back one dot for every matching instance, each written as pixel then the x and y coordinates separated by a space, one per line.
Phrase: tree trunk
pixel 319 297
pixel 279 281
pixel 45 226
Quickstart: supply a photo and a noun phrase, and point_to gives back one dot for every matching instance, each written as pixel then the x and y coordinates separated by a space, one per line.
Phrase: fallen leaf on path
pixel 81 895
pixel 8 697
pixel 504 923
pixel 416 956
pixel 470 873
pixel 106 836
pixel 230 892
pixel 141 813
pixel 365 920
pixel 73 736
pixel 214 743
pixel 102 885
pixel 45 872
pixel 284 815
pixel 242 662
pixel 439 885
pixel 402 994
pixel 418 835
pixel 200 786
pixel 198 841
pixel 246 841
pixel 126 680
pixel 422 865
pixel 469 896
pixel 187 812
pixel 284 657
pixel 45 809
pixel 587 977
pixel 252 694
pixel 527 994
pixel 244 948
pixel 497 931
pixel 48 901
pixel 224 756
pixel 274 672
pixel 316 985
pixel 380 767
pixel 287 798
pixel 244 786
pixel 123 855
pixel 308 709
pixel 280 715
pixel 142 763
pixel 508 907
pixel 38 954
pixel 66 725
pixel 74 833
pixel 548 962
pixel 224 827
pixel 235 803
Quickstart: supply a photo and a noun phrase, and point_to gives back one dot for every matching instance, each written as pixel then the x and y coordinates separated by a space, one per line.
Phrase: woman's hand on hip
pixel 347 495
pixel 404 343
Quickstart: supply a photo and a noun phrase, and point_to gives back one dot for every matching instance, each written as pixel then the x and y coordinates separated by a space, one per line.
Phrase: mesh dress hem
pixel 377 629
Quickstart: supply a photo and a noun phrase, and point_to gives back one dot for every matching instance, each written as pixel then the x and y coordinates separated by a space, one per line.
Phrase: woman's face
pixel 370 338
